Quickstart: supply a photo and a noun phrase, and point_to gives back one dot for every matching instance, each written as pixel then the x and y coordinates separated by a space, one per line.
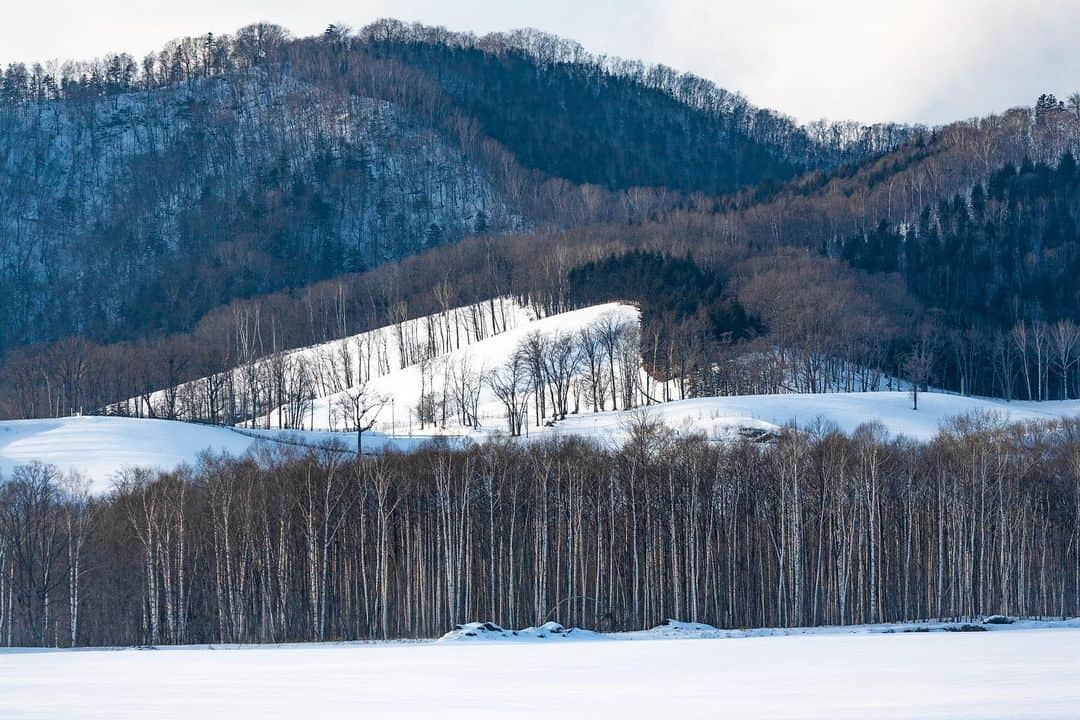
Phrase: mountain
pixel 136 197
pixel 230 198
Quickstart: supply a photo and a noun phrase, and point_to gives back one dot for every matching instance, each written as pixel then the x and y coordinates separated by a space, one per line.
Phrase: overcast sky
pixel 908 60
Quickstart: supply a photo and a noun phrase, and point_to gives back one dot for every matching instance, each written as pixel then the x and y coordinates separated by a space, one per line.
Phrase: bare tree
pixel 510 384
pixel 1066 339
pixel 917 368
pixel 360 408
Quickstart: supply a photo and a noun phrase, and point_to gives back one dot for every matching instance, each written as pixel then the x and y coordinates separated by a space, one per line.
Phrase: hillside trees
pixel 1002 259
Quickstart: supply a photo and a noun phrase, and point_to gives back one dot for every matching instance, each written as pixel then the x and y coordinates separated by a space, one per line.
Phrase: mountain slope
pixel 136 198
pixel 143 211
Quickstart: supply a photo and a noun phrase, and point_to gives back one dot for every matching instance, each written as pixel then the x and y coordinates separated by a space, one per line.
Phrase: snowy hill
pixel 101 447
pixel 442 359
pixel 721 417
pixel 330 367
pixel 432 377
pixel 98 447
pixel 463 369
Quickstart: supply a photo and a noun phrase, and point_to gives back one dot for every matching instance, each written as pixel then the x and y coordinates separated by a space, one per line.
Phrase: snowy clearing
pixel 1027 670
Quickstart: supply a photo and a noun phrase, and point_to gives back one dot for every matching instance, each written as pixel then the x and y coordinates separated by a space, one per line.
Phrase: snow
pixel 383 346
pixel 404 385
pixel 723 417
pixel 1026 670
pixel 490 632
pixel 99 447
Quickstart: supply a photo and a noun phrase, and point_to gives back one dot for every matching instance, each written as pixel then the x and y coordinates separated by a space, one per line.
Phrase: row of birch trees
pixel 814 528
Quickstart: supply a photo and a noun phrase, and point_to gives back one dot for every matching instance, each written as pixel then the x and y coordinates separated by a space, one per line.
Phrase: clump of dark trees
pixel 1001 264
pixel 289 545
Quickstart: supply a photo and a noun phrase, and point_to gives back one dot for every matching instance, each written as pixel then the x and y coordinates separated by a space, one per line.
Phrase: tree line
pixel 817 528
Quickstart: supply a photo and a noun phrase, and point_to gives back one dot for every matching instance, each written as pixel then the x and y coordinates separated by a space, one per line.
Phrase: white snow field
pixel 1028 670
pixel 100 447
pixel 721 417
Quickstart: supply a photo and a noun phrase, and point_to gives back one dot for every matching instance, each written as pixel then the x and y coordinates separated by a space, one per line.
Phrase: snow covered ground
pixel 1027 670
pixel 720 417
pixel 101 446
pixel 98 447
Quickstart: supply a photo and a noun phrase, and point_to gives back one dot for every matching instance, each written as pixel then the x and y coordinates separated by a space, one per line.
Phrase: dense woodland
pixel 816 528
pixel 1001 263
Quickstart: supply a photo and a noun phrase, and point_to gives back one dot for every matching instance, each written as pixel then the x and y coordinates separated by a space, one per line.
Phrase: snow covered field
pixel 719 417
pixel 1027 670
pixel 100 446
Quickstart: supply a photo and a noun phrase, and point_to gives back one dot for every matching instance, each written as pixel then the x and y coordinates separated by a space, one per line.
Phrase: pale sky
pixel 913 61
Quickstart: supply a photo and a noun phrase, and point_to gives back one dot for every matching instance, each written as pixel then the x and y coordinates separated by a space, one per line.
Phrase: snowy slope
pixel 100 447
pixel 340 363
pixel 843 675
pixel 404 385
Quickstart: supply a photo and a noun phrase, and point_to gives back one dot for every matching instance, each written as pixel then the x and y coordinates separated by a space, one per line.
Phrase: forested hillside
pixel 137 196
pixel 249 194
